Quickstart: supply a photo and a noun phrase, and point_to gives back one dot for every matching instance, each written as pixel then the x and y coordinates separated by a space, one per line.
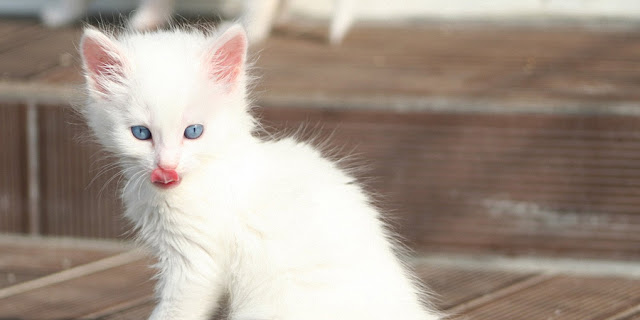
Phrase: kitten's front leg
pixel 185 290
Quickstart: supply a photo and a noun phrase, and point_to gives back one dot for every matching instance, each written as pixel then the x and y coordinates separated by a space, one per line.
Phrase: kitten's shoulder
pixel 293 156
pixel 290 149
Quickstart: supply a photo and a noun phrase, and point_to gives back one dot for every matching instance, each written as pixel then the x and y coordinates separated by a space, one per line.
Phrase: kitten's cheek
pixel 164 178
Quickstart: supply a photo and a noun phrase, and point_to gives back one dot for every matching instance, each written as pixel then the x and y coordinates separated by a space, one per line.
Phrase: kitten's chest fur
pixel 229 204
pixel 254 203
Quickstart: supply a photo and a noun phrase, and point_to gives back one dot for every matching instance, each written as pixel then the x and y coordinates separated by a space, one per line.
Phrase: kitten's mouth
pixel 164 178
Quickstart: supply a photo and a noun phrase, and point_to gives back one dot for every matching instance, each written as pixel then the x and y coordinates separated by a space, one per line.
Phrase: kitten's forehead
pixel 167 73
pixel 166 67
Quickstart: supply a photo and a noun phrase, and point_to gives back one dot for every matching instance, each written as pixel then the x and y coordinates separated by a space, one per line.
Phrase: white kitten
pixel 280 230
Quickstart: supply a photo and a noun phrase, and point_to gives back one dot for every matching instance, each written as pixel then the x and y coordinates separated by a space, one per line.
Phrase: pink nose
pixel 165 178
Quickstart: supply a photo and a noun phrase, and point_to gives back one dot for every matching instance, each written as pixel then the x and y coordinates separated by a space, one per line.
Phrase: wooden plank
pixel 545 184
pixel 62 74
pixel 12 278
pixel 25 259
pixel 525 183
pixel 15 33
pixel 632 313
pixel 13 188
pixel 138 308
pixel 633 317
pixel 69 274
pixel 479 62
pixel 80 183
pixel 80 296
pixel 562 297
pixel 38 55
pixel 452 287
pixel 141 311
pixel 43 260
pixel 119 287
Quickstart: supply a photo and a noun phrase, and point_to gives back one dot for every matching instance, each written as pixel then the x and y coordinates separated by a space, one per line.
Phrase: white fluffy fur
pixel 281 231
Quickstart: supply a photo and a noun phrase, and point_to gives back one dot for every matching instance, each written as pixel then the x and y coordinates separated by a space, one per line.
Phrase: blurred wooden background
pixel 507 158
pixel 478 138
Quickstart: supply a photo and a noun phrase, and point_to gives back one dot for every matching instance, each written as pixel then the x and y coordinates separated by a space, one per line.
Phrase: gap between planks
pixel 75 272
pixel 118 307
pixel 626 314
pixel 497 294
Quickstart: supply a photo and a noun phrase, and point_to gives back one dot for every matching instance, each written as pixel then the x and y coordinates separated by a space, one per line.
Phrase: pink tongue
pixel 164 176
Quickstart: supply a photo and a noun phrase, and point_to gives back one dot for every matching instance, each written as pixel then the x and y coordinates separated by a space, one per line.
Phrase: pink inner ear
pixel 101 65
pixel 228 59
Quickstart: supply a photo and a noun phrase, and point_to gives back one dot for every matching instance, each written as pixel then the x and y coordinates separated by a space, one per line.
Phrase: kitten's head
pixel 165 102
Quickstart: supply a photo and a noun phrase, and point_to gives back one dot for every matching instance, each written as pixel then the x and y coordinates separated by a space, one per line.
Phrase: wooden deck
pixel 55 279
pixel 508 156
pixel 531 133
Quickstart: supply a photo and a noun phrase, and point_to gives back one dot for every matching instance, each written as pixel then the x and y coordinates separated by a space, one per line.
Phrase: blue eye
pixel 141 133
pixel 193 131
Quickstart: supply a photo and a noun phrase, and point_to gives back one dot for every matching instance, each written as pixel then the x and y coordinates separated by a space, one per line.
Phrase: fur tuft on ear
pixel 226 58
pixel 102 60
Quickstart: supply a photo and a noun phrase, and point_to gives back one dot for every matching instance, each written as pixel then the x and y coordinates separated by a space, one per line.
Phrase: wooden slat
pixel 44 53
pixel 472 62
pixel 452 287
pixel 22 260
pixel 563 297
pixel 46 259
pixel 131 308
pixel 16 33
pixel 63 74
pixel 119 287
pixel 632 313
pixel 524 183
pixel 634 316
pixel 13 192
pixel 12 278
pixel 459 61
pixel 141 311
pixel 545 184
pixel 81 199
pixel 80 296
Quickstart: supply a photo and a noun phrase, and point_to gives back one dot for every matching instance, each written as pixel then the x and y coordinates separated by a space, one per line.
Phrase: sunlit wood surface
pixel 50 279
pixel 479 140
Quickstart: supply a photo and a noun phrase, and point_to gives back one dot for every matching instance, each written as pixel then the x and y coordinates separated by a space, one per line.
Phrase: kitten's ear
pixel 226 58
pixel 102 59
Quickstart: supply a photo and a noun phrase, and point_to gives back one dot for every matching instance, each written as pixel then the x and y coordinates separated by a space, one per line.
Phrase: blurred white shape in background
pixel 384 9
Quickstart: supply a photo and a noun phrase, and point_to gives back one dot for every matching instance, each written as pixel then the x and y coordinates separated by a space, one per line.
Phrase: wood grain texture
pixel 534 65
pixel 564 297
pixel 20 262
pixel 122 291
pixel 452 287
pixel 43 260
pixel 43 52
pixel 527 182
pixel 83 295
pixel 13 189
pixel 79 186
pixel 513 183
pixel 545 184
